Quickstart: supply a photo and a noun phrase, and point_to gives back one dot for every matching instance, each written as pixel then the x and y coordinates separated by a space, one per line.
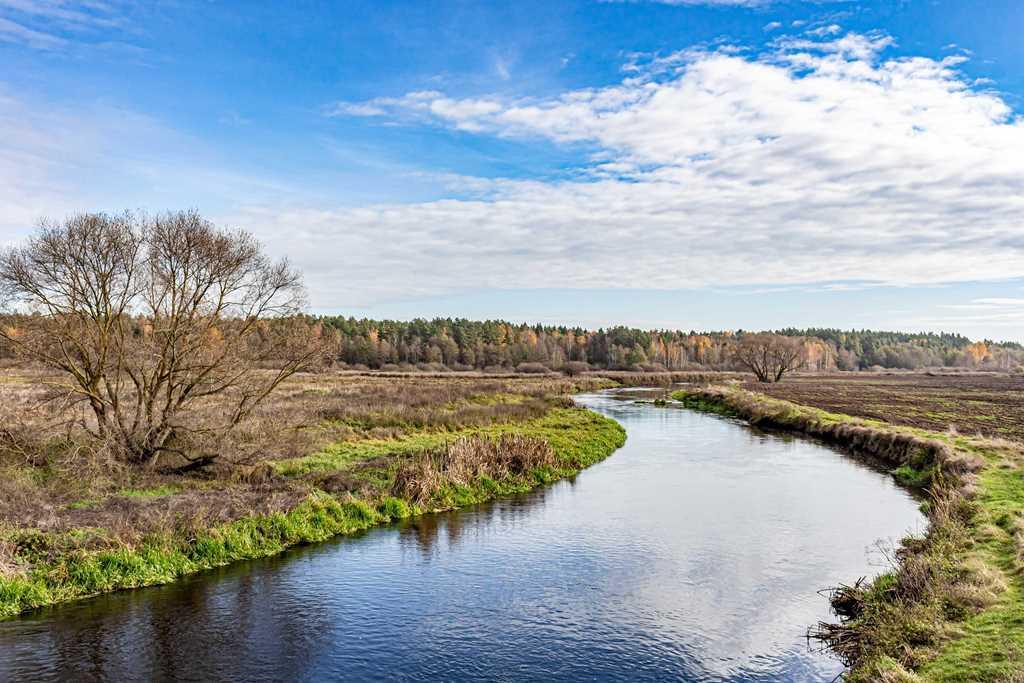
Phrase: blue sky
pixel 668 164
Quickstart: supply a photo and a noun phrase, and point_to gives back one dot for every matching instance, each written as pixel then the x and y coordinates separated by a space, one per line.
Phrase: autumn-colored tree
pixel 976 352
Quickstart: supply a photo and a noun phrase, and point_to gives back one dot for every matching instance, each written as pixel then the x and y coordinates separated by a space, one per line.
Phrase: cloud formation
pixel 820 160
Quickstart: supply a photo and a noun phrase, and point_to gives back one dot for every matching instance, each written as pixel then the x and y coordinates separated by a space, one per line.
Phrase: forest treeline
pixel 461 344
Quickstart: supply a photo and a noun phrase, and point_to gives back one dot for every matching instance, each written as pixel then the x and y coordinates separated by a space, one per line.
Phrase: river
pixel 693 553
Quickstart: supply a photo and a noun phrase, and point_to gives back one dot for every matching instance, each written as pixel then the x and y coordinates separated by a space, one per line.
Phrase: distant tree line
pixel 461 344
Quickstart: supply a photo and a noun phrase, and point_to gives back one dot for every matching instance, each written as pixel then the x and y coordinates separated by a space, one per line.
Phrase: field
pixel 327 454
pixel 987 404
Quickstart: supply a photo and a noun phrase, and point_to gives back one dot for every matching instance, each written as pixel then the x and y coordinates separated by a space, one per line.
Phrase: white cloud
pixel 829 30
pixel 1000 304
pixel 502 67
pixel 1000 301
pixel 818 162
pixel 68 13
pixel 772 25
pixel 853 45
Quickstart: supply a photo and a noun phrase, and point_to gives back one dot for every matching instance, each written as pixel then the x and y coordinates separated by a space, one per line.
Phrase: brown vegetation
pixel 466 460
pixel 145 318
pixel 769 356
pixel 987 404
pixel 54 478
pixel 894 448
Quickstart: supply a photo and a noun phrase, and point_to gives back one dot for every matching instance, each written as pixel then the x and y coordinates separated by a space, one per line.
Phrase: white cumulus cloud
pixel 816 161
pixel 819 161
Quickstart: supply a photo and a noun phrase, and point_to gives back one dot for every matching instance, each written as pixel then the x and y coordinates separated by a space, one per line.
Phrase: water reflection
pixel 693 553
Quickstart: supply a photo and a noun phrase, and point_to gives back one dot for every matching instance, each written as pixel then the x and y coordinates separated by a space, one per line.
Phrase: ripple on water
pixel 694 553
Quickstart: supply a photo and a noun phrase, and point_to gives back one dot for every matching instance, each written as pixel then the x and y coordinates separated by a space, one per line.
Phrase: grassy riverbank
pixel 99 534
pixel 951 606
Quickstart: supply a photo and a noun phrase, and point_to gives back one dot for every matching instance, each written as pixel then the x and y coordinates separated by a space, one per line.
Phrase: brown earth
pixel 987 404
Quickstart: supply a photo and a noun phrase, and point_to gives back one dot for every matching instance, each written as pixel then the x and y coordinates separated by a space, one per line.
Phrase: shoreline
pixel 949 608
pixel 578 437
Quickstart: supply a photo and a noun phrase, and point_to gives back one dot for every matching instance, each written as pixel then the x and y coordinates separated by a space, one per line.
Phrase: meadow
pixel 328 453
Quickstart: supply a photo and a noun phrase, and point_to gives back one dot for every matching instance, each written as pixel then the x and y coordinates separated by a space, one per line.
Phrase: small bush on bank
pixel 532 368
pixel 432 367
pixel 653 367
pixel 575 367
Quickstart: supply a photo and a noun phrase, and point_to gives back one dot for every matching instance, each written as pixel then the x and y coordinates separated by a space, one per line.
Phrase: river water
pixel 693 553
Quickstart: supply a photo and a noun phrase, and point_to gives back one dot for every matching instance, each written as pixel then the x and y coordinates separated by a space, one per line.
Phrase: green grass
pixel 991 646
pixel 578 437
pixel 342 456
pixel 942 639
pixel 912 477
pixel 151 492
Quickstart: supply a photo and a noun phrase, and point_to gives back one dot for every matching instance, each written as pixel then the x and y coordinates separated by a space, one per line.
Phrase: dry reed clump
pixel 1014 525
pixel 9 564
pixel 465 461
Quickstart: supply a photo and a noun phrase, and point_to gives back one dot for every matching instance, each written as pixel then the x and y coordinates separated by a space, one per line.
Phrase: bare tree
pixel 149 317
pixel 769 356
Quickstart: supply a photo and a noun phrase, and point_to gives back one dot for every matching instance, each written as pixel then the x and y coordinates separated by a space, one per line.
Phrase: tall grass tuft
pixel 466 461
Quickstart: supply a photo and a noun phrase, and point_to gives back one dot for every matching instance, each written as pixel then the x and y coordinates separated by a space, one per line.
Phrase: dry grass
pixel 628 378
pixel 54 479
pixel 467 460
pixel 897 448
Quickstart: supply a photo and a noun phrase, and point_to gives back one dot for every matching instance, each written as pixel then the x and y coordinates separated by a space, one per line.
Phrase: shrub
pixel 432 367
pixel 653 367
pixel 575 367
pixel 532 368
